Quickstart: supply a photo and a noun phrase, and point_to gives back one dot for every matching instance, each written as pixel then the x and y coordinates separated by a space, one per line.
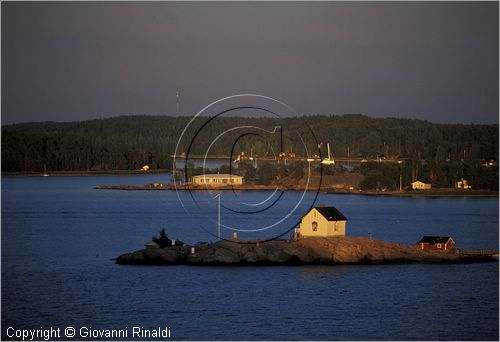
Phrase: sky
pixel 71 61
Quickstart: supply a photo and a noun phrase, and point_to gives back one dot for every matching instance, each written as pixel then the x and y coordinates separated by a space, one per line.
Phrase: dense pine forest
pixel 437 153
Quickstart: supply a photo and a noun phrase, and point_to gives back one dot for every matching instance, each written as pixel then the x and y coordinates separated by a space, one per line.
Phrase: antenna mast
pixel 177 101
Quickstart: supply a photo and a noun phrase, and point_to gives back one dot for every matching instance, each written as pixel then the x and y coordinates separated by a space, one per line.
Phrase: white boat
pixel 328 160
pixel 45 174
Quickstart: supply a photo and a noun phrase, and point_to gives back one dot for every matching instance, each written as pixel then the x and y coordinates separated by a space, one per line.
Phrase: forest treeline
pixel 438 153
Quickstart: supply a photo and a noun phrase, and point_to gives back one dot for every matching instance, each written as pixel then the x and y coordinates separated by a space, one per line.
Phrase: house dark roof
pixel 434 239
pixel 331 213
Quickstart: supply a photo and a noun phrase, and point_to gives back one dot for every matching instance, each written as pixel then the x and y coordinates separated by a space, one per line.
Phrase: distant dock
pixel 479 253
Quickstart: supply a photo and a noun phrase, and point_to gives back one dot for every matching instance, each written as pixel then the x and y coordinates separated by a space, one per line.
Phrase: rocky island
pixel 305 251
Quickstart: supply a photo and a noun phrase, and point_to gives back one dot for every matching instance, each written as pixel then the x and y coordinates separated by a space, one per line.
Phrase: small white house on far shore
pixel 217 179
pixel 418 185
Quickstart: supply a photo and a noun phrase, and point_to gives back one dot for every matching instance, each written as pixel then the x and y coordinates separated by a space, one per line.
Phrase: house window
pixel 335 227
pixel 438 245
pixel 314 213
pixel 315 226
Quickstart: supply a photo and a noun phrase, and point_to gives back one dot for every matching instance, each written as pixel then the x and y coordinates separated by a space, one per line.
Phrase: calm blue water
pixel 53 227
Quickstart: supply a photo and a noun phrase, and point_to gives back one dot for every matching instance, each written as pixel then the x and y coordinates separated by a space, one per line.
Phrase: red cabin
pixel 439 243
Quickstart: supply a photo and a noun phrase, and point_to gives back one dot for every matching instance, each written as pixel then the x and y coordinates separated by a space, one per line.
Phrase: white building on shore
pixel 323 221
pixel 418 185
pixel 217 179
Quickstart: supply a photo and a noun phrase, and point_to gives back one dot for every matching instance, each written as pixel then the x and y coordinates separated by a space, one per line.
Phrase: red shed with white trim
pixel 440 243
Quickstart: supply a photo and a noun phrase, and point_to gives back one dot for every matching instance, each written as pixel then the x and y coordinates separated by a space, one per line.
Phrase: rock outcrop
pixel 329 250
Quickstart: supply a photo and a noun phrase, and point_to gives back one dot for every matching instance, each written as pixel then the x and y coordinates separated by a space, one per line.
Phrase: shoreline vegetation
pixel 369 153
pixel 436 192
pixel 305 251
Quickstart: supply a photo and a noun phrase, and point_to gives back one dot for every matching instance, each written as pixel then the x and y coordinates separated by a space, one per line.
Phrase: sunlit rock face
pixel 313 250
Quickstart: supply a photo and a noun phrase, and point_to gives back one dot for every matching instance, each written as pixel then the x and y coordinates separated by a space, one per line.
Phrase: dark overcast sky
pixel 66 61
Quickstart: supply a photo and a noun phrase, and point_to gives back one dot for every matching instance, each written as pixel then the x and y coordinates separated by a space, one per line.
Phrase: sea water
pixel 60 236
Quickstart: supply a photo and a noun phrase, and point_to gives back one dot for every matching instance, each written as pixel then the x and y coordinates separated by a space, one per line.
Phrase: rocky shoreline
pixel 329 190
pixel 305 251
pixel 161 186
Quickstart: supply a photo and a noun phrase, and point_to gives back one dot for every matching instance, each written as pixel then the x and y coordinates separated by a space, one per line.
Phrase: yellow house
pixel 463 184
pixel 323 221
pixel 418 185
pixel 217 179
